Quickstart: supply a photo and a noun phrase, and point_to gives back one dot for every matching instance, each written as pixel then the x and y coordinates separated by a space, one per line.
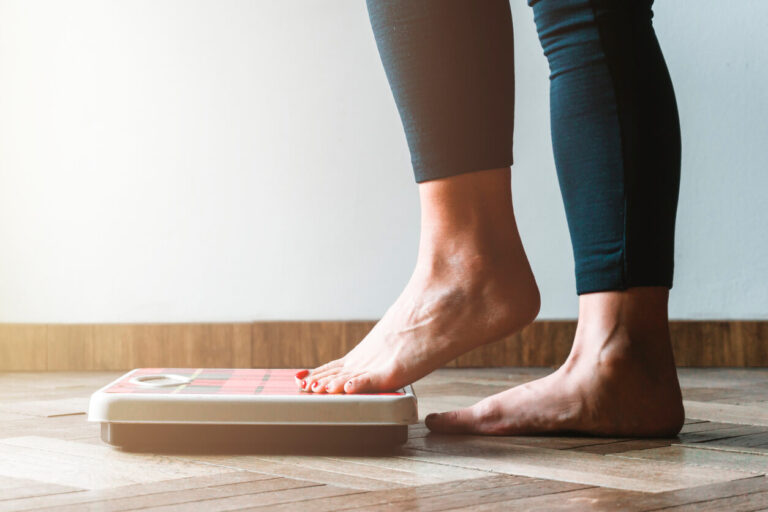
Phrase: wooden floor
pixel 51 458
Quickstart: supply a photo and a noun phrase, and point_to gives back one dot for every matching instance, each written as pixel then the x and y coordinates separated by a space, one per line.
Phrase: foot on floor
pixel 617 381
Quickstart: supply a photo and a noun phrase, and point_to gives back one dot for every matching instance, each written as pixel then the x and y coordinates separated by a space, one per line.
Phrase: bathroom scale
pixel 244 410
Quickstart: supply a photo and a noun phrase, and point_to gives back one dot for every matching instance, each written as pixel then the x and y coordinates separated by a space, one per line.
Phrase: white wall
pixel 178 160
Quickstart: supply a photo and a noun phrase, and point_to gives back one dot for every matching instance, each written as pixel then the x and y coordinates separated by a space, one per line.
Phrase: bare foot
pixel 619 380
pixel 472 285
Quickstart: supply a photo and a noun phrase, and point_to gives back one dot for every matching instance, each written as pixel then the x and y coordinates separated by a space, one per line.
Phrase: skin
pixel 619 379
pixel 472 285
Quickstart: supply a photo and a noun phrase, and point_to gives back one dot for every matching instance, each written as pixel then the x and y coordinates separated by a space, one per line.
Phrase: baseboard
pixel 306 344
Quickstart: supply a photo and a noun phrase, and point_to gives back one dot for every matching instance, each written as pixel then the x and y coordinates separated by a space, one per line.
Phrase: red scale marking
pixel 240 381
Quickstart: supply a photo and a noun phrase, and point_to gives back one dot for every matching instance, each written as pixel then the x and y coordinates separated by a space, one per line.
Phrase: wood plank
pixel 366 473
pixel 114 347
pixel 23 347
pixel 123 346
pixel 415 472
pixel 744 502
pixel 349 468
pixel 59 427
pixel 623 446
pixel 295 344
pixel 18 488
pixel 692 426
pixel 462 387
pixel 490 375
pixel 544 343
pixel 44 383
pixel 699 456
pixel 553 442
pixel 82 498
pixel 721 377
pixel 565 465
pixel 474 499
pixel 752 336
pixel 302 492
pixel 297 472
pixel 188 345
pixel 88 466
pixel 71 347
pixel 369 499
pixel 47 408
pixel 750 442
pixel 10 416
pixel 579 500
pixel 310 343
pixel 242 345
pixel 609 500
pixel 705 343
pixel 739 394
pixel 700 496
pixel 204 497
pixel 303 344
pixel 744 414
pixel 418 430
pixel 732 430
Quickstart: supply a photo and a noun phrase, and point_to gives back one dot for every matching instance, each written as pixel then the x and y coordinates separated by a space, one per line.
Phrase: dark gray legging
pixel 615 129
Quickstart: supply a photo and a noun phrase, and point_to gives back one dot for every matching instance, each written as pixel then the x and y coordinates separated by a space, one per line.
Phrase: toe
pixel 365 383
pixel 481 418
pixel 461 421
pixel 301 382
pixel 324 384
pixel 317 386
pixel 314 378
pixel 336 384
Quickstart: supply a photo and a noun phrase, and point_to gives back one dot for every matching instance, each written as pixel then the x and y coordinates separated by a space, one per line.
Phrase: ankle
pixel 470 211
pixel 501 285
pixel 639 312
pixel 468 256
pixel 625 330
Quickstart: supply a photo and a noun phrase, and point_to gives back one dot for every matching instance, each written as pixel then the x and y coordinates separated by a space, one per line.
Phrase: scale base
pixel 207 438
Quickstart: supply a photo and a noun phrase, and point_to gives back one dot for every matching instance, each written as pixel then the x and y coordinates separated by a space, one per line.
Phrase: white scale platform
pixel 202 409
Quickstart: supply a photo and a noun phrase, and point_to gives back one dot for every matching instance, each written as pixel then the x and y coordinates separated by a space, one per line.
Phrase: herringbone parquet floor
pixel 51 458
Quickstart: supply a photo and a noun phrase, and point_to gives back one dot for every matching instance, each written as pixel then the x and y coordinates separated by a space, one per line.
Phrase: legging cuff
pixel 427 171
pixel 612 279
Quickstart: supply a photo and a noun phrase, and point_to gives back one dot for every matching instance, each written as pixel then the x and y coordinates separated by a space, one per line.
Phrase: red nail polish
pixel 301 374
pixel 303 384
pixel 327 389
pixel 314 385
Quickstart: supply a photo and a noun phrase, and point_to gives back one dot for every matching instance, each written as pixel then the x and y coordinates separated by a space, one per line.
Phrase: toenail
pixel 314 385
pixel 303 384
pixel 301 374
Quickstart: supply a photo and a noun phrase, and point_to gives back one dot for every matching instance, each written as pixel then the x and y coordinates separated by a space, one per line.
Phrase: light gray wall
pixel 178 160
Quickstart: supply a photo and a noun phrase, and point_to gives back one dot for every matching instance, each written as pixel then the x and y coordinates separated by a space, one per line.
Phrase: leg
pixel 616 139
pixel 449 64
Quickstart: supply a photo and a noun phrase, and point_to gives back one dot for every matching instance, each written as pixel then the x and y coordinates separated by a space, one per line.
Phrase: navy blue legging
pixel 615 129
